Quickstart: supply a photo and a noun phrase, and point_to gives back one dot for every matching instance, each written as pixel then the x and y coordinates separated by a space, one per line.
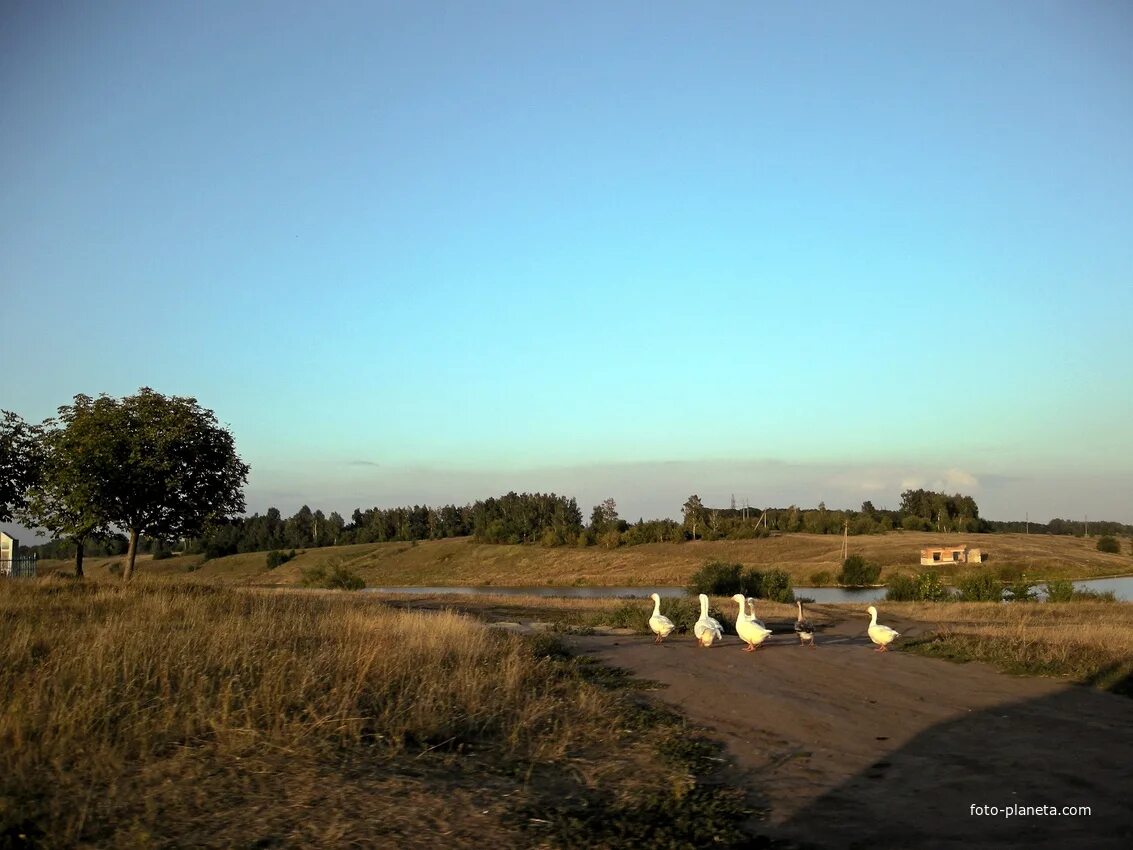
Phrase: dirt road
pixel 848 747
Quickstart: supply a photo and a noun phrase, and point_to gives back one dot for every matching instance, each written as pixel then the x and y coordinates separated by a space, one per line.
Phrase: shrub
pixel 930 587
pixel 552 538
pixel 915 523
pixel 856 571
pixel 1059 591
pixel 980 587
pixel 276 558
pixel 338 577
pixel 585 538
pixel 776 587
pixel 1021 590
pixel 162 555
pixel 901 588
pixel 1109 544
pixel 821 579
pixel 751 583
pixel 717 578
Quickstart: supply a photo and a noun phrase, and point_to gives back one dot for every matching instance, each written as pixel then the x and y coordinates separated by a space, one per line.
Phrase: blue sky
pixel 431 252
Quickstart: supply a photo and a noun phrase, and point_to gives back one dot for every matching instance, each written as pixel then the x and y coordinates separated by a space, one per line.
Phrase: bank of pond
pixel 1121 587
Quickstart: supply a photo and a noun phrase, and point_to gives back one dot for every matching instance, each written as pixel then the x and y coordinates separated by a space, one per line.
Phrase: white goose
pixel 751 614
pixel 881 635
pixel 750 633
pixel 707 629
pixel 803 628
pixel 661 625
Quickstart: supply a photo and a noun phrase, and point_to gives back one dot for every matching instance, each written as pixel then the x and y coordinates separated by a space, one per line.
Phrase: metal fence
pixel 23 567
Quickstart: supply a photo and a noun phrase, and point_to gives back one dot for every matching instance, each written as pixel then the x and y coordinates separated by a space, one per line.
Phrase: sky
pixel 431 252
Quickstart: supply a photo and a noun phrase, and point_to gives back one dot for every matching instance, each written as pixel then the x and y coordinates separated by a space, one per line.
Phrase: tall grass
pixel 1091 642
pixel 151 715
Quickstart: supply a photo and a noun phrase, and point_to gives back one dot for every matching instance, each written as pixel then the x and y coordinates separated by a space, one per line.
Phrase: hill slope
pixel 460 561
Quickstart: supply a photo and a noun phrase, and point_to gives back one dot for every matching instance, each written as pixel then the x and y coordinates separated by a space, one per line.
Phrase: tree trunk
pixel 79 545
pixel 131 554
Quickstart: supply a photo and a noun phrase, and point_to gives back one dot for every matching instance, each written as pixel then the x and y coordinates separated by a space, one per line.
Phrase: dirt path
pixel 852 748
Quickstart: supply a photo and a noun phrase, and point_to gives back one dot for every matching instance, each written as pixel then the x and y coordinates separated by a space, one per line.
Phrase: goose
pixel 751 613
pixel 707 629
pixel 803 628
pixel 750 633
pixel 881 635
pixel 659 623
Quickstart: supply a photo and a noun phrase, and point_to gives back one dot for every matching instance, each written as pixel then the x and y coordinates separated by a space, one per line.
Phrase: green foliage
pixel 1109 544
pixel 930 587
pixel 337 577
pixel 915 523
pixel 20 461
pixel 901 588
pixel 857 572
pixel 923 587
pixel 1021 590
pixel 523 517
pixel 821 578
pixel 147 463
pixel 776 587
pixel 980 586
pixel 277 558
pixel 1059 591
pixel 717 578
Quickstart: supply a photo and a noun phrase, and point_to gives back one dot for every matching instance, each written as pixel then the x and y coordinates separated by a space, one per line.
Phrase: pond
pixel 1122 588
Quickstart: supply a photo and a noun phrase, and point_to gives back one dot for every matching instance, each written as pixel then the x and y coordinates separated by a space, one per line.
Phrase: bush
pixel 776 586
pixel 821 579
pixel 856 571
pixel 923 587
pixel 901 588
pixel 915 523
pixel 1021 590
pixel 276 558
pixel 717 578
pixel 1059 591
pixel 162 555
pixel 1109 544
pixel 930 587
pixel 338 577
pixel 980 587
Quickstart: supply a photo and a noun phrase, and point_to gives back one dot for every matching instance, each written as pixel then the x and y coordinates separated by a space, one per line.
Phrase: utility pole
pixel 845 540
pixel 1028 522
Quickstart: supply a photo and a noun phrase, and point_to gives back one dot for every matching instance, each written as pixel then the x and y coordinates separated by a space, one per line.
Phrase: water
pixel 1121 587
pixel 584 592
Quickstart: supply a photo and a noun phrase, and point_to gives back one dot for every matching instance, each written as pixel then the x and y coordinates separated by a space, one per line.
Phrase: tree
pixel 160 465
pixel 693 511
pixel 20 462
pixel 65 498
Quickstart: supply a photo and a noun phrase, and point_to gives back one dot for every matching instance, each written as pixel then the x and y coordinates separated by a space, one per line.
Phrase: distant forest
pixel 551 520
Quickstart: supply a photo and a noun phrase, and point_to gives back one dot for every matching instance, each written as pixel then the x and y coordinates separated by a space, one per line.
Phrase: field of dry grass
pixel 1091 642
pixel 157 715
pixel 462 562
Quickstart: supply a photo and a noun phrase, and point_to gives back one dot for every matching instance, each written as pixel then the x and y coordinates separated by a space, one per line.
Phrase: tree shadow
pixel 1070 748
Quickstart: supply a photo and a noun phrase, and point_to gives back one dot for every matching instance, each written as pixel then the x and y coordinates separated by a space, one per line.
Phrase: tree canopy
pixel 20 462
pixel 148 464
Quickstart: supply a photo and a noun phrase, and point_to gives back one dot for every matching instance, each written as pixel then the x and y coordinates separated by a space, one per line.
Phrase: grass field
pixel 1089 642
pixel 175 715
pixel 462 562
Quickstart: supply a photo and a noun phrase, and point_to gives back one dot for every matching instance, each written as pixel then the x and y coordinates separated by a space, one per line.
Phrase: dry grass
pixel 1090 642
pixel 462 562
pixel 163 715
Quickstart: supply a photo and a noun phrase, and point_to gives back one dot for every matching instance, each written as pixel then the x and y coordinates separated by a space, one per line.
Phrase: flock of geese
pixel 751 629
